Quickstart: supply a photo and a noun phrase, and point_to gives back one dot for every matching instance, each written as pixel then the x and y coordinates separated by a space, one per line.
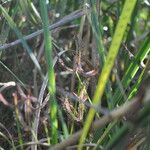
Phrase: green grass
pixel 51 76
pixel 110 59
pixel 117 33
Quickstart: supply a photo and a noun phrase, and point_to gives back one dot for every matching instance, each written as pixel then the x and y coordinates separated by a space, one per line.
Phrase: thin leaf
pixel 114 48
pixel 51 75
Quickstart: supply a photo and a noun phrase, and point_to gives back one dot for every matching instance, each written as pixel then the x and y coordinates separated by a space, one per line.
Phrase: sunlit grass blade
pixel 136 86
pixel 51 75
pixel 132 69
pixel 20 36
pixel 110 59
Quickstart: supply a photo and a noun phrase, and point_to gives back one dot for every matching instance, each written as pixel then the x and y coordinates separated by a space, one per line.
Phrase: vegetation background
pixel 74 74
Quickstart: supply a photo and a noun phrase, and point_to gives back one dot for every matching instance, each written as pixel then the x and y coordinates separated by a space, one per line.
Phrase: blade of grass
pixel 110 59
pixel 96 27
pixel 130 73
pixel 139 81
pixel 133 91
pixel 51 75
pixel 132 69
pixel 20 36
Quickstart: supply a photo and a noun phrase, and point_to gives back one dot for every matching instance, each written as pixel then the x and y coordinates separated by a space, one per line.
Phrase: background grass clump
pixel 74 74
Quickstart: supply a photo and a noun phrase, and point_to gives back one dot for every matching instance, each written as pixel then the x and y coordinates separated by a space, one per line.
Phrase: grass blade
pixel 110 59
pixel 140 79
pixel 132 69
pixel 96 27
pixel 51 75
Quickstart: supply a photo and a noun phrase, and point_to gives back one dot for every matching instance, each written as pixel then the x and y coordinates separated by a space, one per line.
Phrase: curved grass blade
pixel 110 59
pixel 51 75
